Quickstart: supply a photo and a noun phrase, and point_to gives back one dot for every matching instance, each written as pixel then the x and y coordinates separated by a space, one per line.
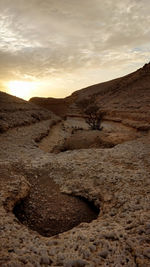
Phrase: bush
pixel 93 116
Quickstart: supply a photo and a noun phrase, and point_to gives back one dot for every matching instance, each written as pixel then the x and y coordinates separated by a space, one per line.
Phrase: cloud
pixel 50 38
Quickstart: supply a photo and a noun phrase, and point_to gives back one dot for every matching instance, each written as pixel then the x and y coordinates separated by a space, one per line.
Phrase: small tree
pixel 93 116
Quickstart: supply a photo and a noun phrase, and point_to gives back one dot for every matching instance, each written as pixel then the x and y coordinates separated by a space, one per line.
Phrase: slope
pixel 18 112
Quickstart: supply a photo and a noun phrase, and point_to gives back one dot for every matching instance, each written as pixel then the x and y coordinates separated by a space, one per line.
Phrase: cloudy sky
pixel 54 47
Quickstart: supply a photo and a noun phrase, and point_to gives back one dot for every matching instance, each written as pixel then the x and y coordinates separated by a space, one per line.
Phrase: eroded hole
pixel 49 212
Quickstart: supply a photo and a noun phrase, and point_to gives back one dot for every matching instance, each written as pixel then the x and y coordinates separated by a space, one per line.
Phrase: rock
pixel 103 254
pixel 146 252
pixel 75 263
pixel 92 248
pixel 45 260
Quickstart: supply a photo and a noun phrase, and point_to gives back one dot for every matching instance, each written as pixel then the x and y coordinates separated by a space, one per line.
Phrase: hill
pixel 59 106
pixel 126 99
pixel 18 112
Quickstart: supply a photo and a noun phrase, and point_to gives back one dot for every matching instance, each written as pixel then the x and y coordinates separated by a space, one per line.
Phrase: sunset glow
pixel 21 89
pixel 52 48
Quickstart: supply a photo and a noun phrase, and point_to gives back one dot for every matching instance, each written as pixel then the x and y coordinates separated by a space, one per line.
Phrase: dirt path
pixel 60 132
pixel 55 137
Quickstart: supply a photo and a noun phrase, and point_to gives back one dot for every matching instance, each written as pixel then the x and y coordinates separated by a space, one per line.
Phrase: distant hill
pixel 125 99
pixel 16 112
pixel 59 106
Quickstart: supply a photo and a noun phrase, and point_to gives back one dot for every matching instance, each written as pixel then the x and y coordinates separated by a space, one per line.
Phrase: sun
pixel 21 89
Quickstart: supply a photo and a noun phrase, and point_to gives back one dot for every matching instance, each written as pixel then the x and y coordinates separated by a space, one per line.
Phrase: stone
pixel 75 263
pixel 103 254
pixel 146 252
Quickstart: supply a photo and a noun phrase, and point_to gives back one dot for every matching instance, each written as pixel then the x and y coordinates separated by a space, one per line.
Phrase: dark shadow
pixel 75 211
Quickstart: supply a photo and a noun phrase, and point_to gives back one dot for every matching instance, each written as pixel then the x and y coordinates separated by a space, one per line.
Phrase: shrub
pixel 93 116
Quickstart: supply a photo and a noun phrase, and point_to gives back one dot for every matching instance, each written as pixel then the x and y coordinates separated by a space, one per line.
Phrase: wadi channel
pixel 71 196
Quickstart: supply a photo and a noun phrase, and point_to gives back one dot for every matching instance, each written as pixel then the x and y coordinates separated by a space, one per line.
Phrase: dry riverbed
pixel 74 133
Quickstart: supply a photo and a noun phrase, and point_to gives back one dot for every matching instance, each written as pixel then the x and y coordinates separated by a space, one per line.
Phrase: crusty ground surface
pixel 116 179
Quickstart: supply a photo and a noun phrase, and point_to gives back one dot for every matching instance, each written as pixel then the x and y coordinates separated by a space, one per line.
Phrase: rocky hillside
pixel 17 112
pixel 125 99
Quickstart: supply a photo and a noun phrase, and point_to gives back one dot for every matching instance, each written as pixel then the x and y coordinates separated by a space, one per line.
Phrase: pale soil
pixel 55 138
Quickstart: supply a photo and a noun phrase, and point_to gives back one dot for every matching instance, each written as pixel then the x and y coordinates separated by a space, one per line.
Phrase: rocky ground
pixel 116 179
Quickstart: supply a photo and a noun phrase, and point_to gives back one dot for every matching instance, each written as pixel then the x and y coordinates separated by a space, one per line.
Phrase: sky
pixel 51 48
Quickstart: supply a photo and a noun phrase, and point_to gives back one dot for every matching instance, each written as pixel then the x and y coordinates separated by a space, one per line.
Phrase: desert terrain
pixel 71 196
